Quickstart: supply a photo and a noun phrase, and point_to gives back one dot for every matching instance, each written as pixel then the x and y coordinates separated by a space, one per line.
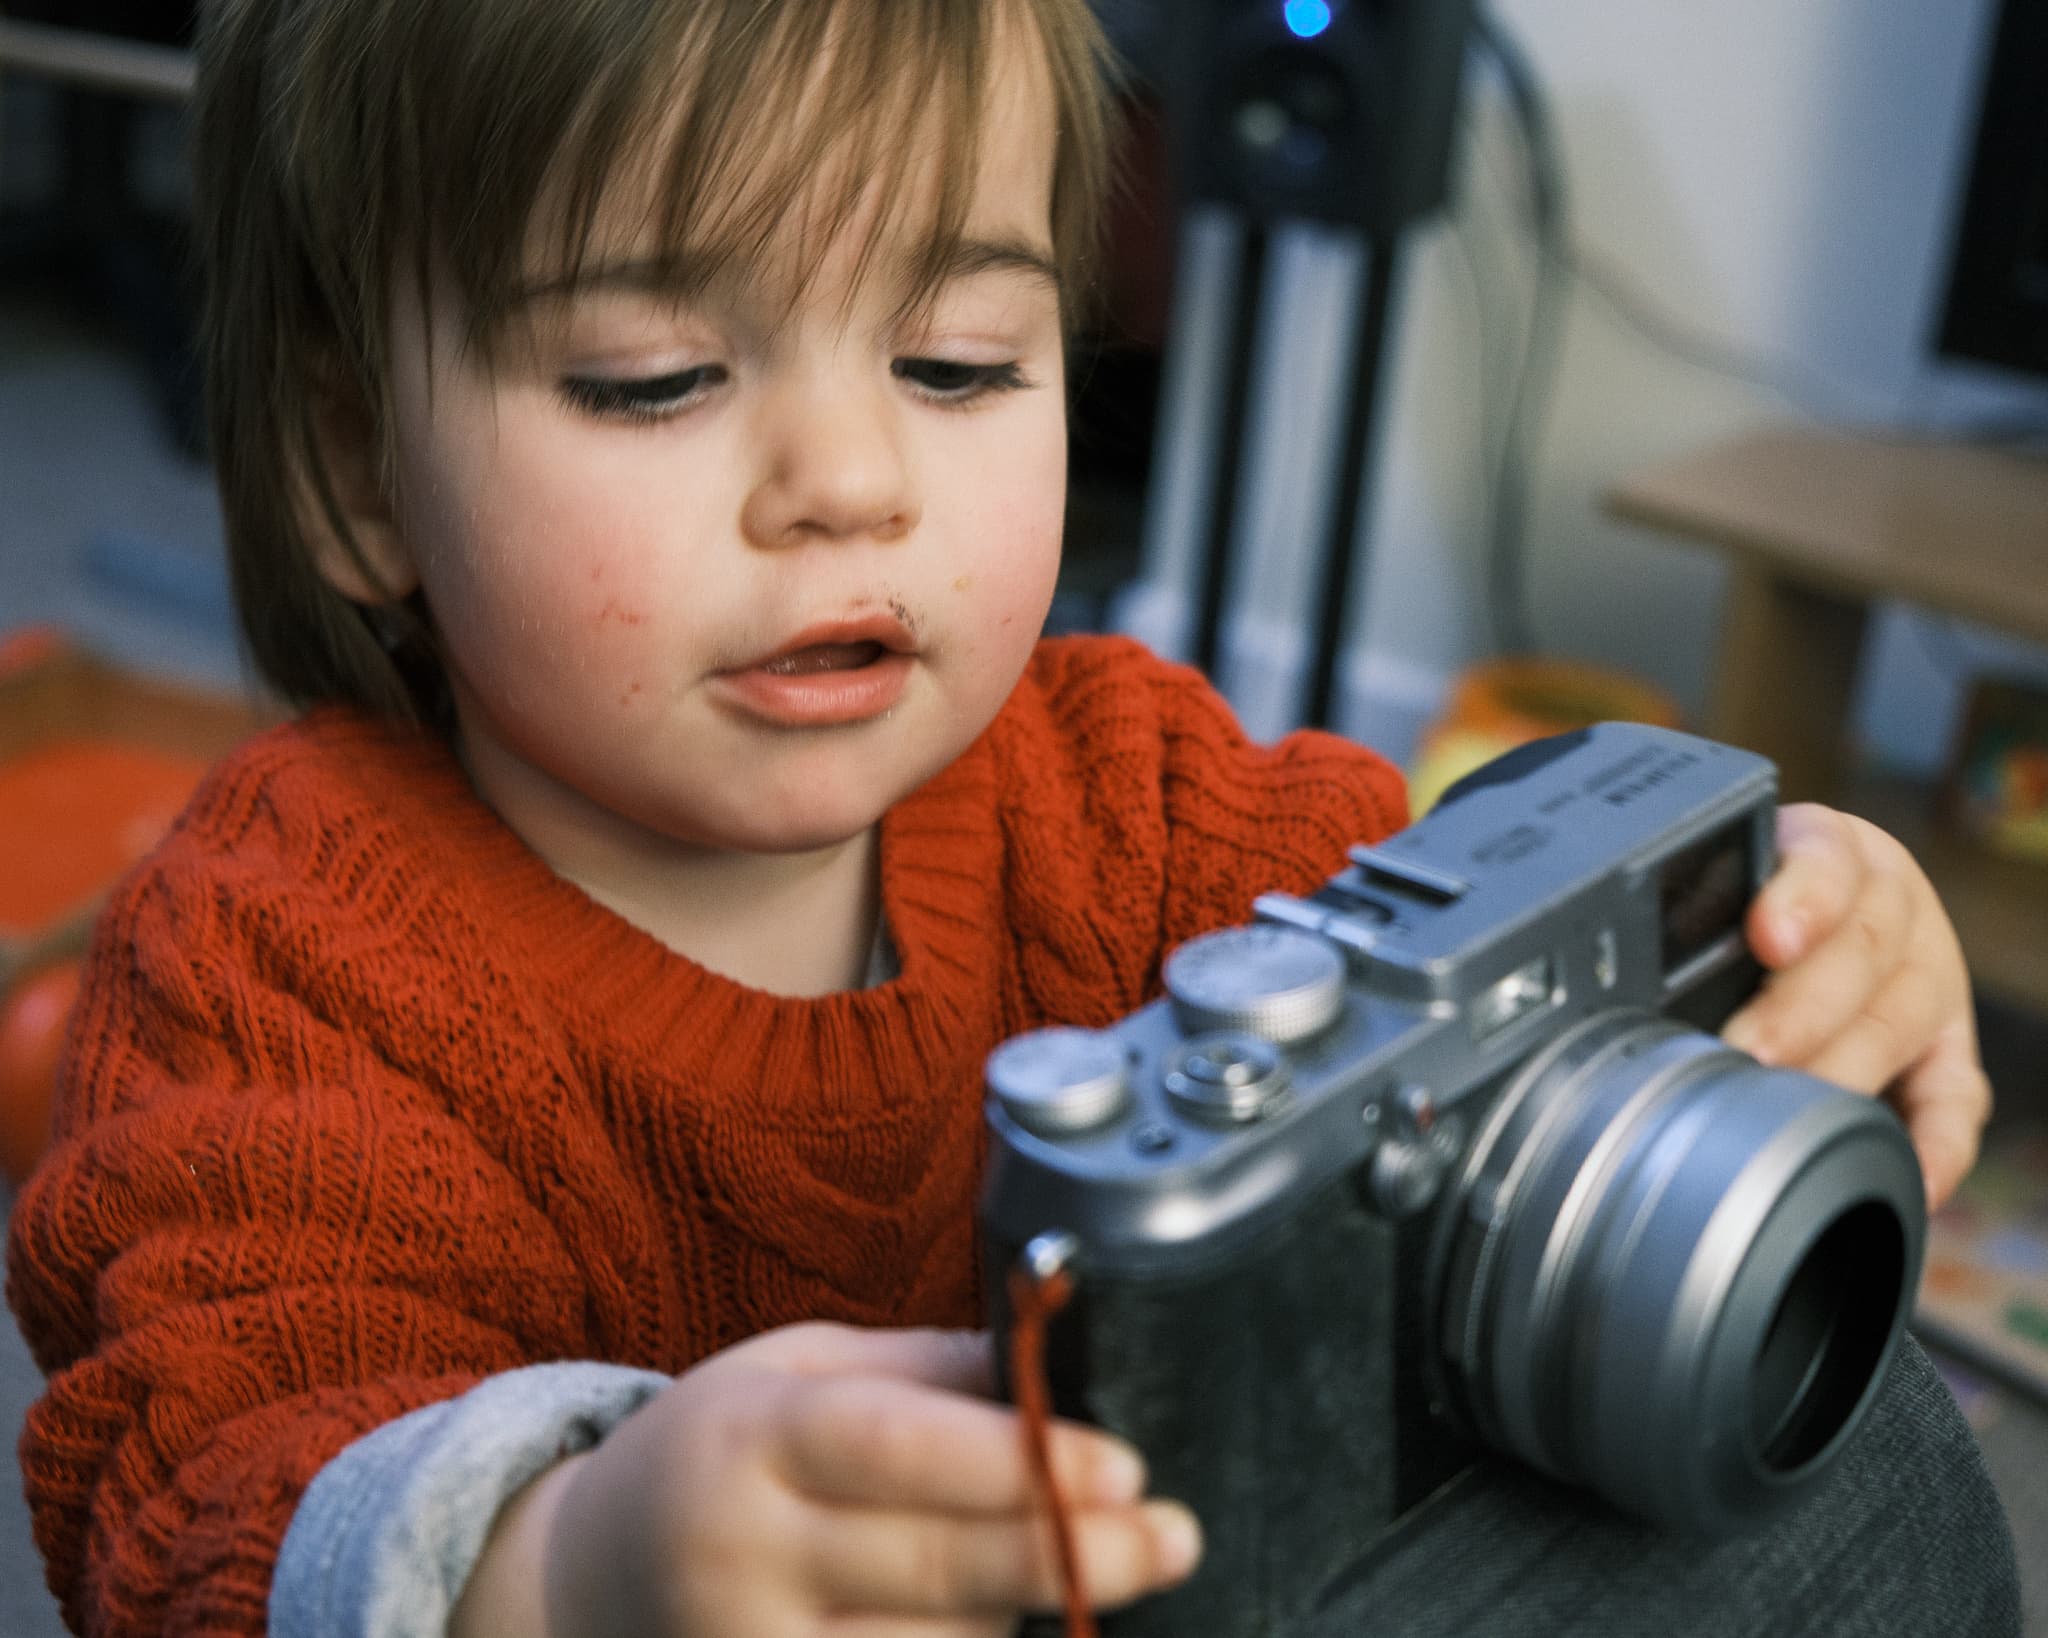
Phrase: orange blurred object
pixel 26 647
pixel 75 814
pixel 32 1019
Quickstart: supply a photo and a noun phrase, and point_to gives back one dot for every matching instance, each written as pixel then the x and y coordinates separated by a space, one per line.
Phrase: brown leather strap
pixel 1033 1302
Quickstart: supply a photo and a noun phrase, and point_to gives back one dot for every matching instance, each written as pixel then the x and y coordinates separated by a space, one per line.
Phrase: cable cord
pixel 1529 400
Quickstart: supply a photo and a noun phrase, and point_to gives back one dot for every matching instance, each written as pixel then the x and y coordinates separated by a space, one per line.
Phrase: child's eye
pixel 948 381
pixel 647 398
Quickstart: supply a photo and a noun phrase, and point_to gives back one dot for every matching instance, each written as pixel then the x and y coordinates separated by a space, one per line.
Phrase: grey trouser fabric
pixel 1907 1540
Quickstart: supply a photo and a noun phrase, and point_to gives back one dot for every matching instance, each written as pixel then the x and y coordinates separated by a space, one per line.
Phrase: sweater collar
pixel 941 852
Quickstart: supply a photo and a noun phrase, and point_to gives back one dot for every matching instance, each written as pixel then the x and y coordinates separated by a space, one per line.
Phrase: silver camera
pixel 1445 1160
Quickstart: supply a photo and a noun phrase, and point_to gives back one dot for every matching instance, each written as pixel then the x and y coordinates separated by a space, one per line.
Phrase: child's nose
pixel 833 468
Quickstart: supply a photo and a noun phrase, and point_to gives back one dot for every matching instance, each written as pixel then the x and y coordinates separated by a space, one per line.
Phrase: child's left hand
pixel 1867 984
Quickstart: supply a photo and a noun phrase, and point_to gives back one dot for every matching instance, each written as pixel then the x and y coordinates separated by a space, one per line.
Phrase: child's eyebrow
pixel 967 257
pixel 676 277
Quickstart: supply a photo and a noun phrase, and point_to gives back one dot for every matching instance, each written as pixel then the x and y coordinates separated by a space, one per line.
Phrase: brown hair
pixel 342 142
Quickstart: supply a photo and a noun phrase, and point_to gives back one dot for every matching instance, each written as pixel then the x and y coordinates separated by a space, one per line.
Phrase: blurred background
pixel 1466 371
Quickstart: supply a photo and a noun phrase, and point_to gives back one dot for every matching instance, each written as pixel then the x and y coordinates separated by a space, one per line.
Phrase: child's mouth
pixel 830 675
pixel 804 662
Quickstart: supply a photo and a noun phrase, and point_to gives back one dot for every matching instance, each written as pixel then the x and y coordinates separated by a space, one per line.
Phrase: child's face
pixel 707 578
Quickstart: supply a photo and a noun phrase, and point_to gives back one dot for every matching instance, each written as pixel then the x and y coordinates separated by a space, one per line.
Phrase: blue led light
pixel 1307 18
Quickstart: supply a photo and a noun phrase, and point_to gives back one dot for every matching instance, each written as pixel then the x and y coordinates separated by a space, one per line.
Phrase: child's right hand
pixel 826 1480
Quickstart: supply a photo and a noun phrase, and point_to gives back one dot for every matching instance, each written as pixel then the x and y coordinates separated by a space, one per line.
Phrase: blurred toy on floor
pixel 1503 703
pixel 1997 790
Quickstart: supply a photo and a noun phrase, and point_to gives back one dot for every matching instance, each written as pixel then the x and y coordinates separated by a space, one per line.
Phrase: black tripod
pixel 1310 135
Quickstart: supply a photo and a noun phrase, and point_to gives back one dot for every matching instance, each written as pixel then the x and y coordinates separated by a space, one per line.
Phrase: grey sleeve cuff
pixel 386 1535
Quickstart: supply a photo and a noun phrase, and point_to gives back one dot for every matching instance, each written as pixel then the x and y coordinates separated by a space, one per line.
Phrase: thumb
pixel 961 1361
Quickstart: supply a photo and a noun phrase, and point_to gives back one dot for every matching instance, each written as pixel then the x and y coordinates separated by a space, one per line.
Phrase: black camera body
pixel 1441 1161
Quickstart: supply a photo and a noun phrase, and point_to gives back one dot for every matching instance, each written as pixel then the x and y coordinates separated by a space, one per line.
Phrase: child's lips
pixel 827 675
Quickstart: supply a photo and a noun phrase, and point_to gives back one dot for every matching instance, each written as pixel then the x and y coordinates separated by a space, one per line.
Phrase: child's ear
pixel 351 519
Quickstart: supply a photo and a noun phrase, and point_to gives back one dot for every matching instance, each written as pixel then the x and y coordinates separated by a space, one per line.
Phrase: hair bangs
pixel 744 150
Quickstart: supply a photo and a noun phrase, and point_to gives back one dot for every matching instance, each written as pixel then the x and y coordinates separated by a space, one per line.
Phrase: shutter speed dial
pixel 1277 983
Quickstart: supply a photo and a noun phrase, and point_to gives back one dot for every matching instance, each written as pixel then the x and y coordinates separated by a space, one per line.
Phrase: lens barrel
pixel 1674 1275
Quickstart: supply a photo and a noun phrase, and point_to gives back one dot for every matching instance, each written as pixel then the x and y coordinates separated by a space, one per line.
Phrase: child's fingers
pixel 925 1564
pixel 1882 1038
pixel 1945 1101
pixel 874 1442
pixel 1809 1002
pixel 1820 872
pixel 961 1361
pixel 894 1625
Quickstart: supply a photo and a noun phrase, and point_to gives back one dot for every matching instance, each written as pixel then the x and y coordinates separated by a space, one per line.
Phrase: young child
pixel 521 1132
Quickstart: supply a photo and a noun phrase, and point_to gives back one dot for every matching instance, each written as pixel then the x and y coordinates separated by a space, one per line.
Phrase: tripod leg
pixel 1347 541
pixel 1192 448
pixel 1223 503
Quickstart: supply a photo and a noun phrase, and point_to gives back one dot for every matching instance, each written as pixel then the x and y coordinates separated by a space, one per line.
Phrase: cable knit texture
pixel 362 1103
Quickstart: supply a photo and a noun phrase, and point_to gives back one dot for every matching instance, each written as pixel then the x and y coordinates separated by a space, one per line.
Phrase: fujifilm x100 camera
pixel 1444 1158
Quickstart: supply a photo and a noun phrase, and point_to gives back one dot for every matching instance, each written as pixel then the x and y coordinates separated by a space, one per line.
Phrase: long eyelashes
pixel 943 381
pixel 647 398
pixel 946 381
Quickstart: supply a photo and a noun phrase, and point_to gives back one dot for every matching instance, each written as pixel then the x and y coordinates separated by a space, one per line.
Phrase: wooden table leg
pixel 1785 677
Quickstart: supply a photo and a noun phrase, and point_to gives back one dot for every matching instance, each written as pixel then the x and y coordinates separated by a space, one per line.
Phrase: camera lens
pixel 1673 1274
pixel 1828 1337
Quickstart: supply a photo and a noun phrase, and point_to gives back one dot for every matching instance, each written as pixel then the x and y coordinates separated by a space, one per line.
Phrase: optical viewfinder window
pixel 1704 890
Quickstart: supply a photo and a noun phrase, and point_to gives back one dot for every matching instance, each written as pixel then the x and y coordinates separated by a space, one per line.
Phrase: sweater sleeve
pixel 386 1536
pixel 1138 814
pixel 252 1241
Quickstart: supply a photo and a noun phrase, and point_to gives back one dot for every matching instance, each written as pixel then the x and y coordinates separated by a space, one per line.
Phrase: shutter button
pixel 1228 1077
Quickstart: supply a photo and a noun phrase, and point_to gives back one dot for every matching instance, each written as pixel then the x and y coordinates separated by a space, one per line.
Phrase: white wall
pixel 1776 174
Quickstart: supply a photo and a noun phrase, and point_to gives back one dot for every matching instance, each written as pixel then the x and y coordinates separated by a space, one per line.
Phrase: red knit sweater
pixel 362 1103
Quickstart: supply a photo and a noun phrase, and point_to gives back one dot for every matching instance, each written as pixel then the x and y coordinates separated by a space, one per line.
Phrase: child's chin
pixel 814 829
